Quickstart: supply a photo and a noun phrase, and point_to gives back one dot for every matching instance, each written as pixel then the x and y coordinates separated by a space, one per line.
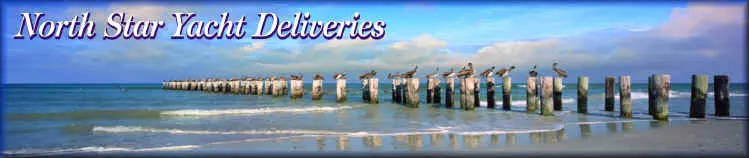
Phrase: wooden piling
pixel 699 96
pixel 476 93
pixel 582 94
pixel 651 96
pixel 268 84
pixel 490 102
pixel 625 97
pixel 547 105
pixel 467 91
pixel 558 85
pixel 506 93
pixel 412 92
pixel 430 90
pixel 374 85
pixel 722 102
pixel 297 89
pixel 402 91
pixel 437 90
pixel 609 101
pixel 396 87
pixel 531 100
pixel 662 85
pixel 365 90
pixel 449 92
pixel 340 90
pixel 317 91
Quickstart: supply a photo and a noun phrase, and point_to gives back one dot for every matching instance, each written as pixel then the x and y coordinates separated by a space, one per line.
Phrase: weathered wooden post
pixel 625 97
pixel 412 92
pixel 276 87
pixel 317 89
pixel 374 85
pixel 468 85
pixel 651 95
pixel 662 88
pixel 609 101
pixel 531 100
pixel 476 92
pixel 437 90
pixel 557 93
pixel 268 86
pixel 449 92
pixel 297 88
pixel 506 93
pixel 722 104
pixel 365 90
pixel 284 86
pixel 490 102
pixel 547 105
pixel 582 94
pixel 402 91
pixel 699 94
pixel 396 87
pixel 341 90
pixel 430 90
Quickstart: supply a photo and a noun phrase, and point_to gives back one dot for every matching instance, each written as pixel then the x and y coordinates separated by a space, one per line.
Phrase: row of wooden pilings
pixel 274 87
pixel 405 91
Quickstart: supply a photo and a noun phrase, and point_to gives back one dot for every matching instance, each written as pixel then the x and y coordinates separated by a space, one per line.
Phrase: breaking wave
pixel 257 111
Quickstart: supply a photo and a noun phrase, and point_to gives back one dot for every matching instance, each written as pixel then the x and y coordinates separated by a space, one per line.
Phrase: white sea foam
pixel 712 94
pixel 522 85
pixel 201 112
pixel 97 149
pixel 556 128
pixel 522 102
pixel 134 129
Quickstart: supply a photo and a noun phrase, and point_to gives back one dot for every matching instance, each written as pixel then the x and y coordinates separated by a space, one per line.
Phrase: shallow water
pixel 54 118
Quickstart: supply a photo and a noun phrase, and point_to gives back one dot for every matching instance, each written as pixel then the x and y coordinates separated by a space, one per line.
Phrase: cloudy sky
pixel 592 39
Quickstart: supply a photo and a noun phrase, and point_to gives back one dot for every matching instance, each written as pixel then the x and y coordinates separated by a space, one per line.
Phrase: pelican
pixel 318 76
pixel 466 72
pixel 341 75
pixel 433 74
pixel 559 72
pixel 449 74
pixel 391 76
pixel 368 75
pixel 504 72
pixel 533 72
pixel 488 72
pixel 410 74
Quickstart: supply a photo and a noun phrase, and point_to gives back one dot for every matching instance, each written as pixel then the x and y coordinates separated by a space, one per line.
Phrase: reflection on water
pixel 472 141
pixel 511 140
pixel 585 130
pixel 372 142
pixel 342 143
pixel 561 135
pixel 550 137
pixel 657 124
pixel 320 142
pixel 453 141
pixel 414 142
pixel 436 139
pixel 628 127
pixel 535 138
pixel 611 127
pixel 495 139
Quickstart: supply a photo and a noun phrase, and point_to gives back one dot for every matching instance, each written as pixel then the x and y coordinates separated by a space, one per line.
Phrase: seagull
pixel 466 72
pixel 559 72
pixel 504 72
pixel 341 75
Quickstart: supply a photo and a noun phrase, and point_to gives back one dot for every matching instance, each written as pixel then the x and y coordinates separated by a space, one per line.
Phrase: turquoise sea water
pixel 70 118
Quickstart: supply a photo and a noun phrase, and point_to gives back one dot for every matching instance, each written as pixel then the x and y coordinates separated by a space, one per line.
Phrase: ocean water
pixel 73 118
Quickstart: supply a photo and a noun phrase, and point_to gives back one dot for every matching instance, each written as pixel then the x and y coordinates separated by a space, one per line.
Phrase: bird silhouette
pixel 559 72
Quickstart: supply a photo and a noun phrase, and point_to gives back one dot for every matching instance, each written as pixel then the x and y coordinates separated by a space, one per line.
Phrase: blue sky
pixel 592 39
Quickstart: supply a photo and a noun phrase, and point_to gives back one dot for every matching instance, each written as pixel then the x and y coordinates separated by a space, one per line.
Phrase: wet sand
pixel 701 137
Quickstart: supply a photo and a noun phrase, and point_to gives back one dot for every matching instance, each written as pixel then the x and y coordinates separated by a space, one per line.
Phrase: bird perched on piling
pixel 368 75
pixel 391 76
pixel 504 72
pixel 488 72
pixel 296 77
pixel 533 72
pixel 433 74
pixel 449 74
pixel 318 76
pixel 560 72
pixel 410 74
pixel 341 75
pixel 469 72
